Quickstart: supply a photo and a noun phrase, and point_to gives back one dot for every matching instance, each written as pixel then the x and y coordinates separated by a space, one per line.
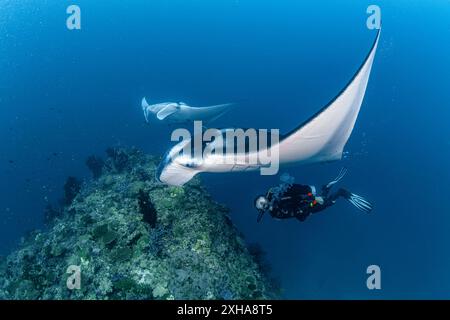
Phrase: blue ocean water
pixel 65 95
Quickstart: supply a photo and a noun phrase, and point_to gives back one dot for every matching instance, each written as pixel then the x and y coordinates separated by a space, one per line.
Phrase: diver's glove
pixel 359 202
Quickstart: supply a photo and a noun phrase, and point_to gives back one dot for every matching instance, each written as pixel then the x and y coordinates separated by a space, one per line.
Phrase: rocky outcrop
pixel 184 246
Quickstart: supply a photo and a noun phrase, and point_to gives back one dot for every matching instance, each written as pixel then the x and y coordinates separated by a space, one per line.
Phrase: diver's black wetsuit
pixel 299 202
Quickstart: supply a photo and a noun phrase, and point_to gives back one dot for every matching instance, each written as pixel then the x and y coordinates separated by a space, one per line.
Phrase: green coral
pixel 160 291
pixel 100 231
pixel 104 234
pixel 126 284
pixel 176 192
pixel 57 250
pixel 122 254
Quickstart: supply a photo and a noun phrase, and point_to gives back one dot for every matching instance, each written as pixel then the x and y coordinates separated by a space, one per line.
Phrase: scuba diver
pixel 291 200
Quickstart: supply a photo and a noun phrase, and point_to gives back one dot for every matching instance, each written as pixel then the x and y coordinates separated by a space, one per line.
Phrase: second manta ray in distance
pixel 322 138
pixel 180 112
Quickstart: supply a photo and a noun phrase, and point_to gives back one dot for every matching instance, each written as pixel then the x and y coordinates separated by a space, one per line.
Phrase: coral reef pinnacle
pixel 191 251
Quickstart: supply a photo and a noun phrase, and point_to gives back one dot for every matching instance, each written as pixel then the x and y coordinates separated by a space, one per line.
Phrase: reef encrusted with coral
pixel 183 246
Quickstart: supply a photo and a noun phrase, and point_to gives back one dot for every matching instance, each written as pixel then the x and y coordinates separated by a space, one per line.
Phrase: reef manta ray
pixel 321 138
pixel 180 112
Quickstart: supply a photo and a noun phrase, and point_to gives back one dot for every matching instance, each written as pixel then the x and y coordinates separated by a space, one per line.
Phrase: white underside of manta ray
pixel 180 112
pixel 322 138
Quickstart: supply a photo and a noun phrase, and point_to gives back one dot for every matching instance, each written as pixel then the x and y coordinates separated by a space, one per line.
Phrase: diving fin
pixel 359 202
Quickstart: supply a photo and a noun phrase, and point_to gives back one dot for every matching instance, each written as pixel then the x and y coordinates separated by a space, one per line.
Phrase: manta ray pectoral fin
pixel 145 106
pixel 167 111
pixel 323 137
pixel 144 103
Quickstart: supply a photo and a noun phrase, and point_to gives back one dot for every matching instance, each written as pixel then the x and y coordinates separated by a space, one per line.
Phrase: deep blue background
pixel 67 94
